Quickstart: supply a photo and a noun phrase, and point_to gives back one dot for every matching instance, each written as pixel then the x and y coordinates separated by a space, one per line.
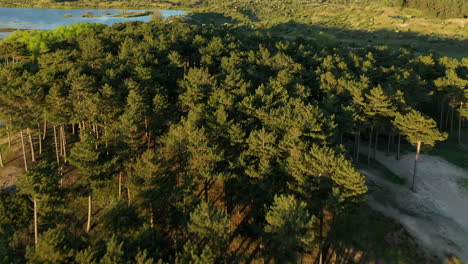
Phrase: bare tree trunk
pixel 24 151
pixel 9 136
pixel 398 150
pixel 44 133
pixel 451 119
pixel 56 145
pixel 355 146
pixel 64 142
pixel 73 128
pixel 35 220
pixel 418 149
pixel 388 144
pixel 151 217
pixel 1 159
pixel 120 185
pixel 97 131
pixel 321 236
pixel 375 146
pixel 129 197
pixel 33 156
pixel 441 120
pixel 358 144
pixel 460 124
pixel 39 137
pixel 370 146
pixel 59 140
pixel 447 117
pixel 90 209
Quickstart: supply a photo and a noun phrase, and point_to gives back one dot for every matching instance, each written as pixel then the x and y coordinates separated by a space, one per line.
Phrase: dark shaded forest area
pixel 177 143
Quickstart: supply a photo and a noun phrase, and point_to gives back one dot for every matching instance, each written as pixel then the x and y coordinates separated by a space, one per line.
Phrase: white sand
pixel 437 214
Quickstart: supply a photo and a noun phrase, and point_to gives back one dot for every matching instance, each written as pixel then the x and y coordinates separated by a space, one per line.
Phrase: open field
pixel 353 24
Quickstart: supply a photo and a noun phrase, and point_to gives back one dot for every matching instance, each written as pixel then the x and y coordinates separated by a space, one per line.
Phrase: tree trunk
pixel 24 151
pixel 129 197
pixel 441 120
pixel 90 209
pixel 451 119
pixel 370 145
pixel 35 220
pixel 1 159
pixel 321 236
pixel 9 136
pixel 358 144
pixel 375 145
pixel 354 145
pixel 151 217
pixel 44 133
pixel 59 140
pixel 120 185
pixel 418 149
pixel 398 150
pixel 388 144
pixel 460 124
pixel 56 145
pixel 447 117
pixel 39 137
pixel 73 128
pixel 206 190
pixel 64 142
pixel 33 156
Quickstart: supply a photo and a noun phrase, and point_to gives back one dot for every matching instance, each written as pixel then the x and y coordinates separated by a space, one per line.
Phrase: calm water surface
pixel 47 18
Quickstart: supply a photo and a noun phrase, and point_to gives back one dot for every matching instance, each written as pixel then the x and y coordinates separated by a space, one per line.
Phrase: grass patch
pixel 463 183
pixel 452 151
pixel 383 171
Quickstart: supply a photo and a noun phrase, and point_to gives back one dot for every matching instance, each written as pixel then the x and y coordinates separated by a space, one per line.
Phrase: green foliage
pixel 14 212
pixel 210 225
pixel 39 41
pixel 418 128
pixel 196 255
pixel 166 115
pixel 289 229
pixel 114 252
pixel 55 246
pixel 157 16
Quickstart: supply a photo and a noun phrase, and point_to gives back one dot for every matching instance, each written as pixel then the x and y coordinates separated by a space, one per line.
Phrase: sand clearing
pixel 437 214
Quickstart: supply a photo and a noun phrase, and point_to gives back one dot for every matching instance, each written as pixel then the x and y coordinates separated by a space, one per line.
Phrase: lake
pixel 48 18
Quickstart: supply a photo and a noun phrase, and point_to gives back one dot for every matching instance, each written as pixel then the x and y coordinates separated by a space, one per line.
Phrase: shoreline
pixel 106 5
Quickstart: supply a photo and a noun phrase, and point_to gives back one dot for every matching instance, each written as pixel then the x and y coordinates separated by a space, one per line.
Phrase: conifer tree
pixel 41 184
pixel 92 164
pixel 419 130
pixel 288 229
pixel 210 225
pixel 54 246
pixel 114 252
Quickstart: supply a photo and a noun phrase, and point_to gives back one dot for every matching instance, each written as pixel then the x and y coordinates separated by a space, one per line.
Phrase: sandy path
pixel 437 214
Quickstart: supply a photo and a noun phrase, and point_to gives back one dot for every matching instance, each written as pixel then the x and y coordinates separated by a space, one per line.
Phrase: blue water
pixel 47 18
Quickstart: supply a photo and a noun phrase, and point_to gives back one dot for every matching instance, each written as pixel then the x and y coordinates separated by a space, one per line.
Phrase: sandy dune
pixel 437 214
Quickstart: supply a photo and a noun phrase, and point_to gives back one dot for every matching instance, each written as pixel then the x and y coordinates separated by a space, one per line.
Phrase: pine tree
pixel 42 185
pixel 54 246
pixel 114 252
pixel 419 130
pixel 288 229
pixel 210 225
pixel 90 159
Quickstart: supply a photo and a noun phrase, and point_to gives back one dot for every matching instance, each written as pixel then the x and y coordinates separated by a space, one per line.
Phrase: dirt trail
pixel 13 165
pixel 437 214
